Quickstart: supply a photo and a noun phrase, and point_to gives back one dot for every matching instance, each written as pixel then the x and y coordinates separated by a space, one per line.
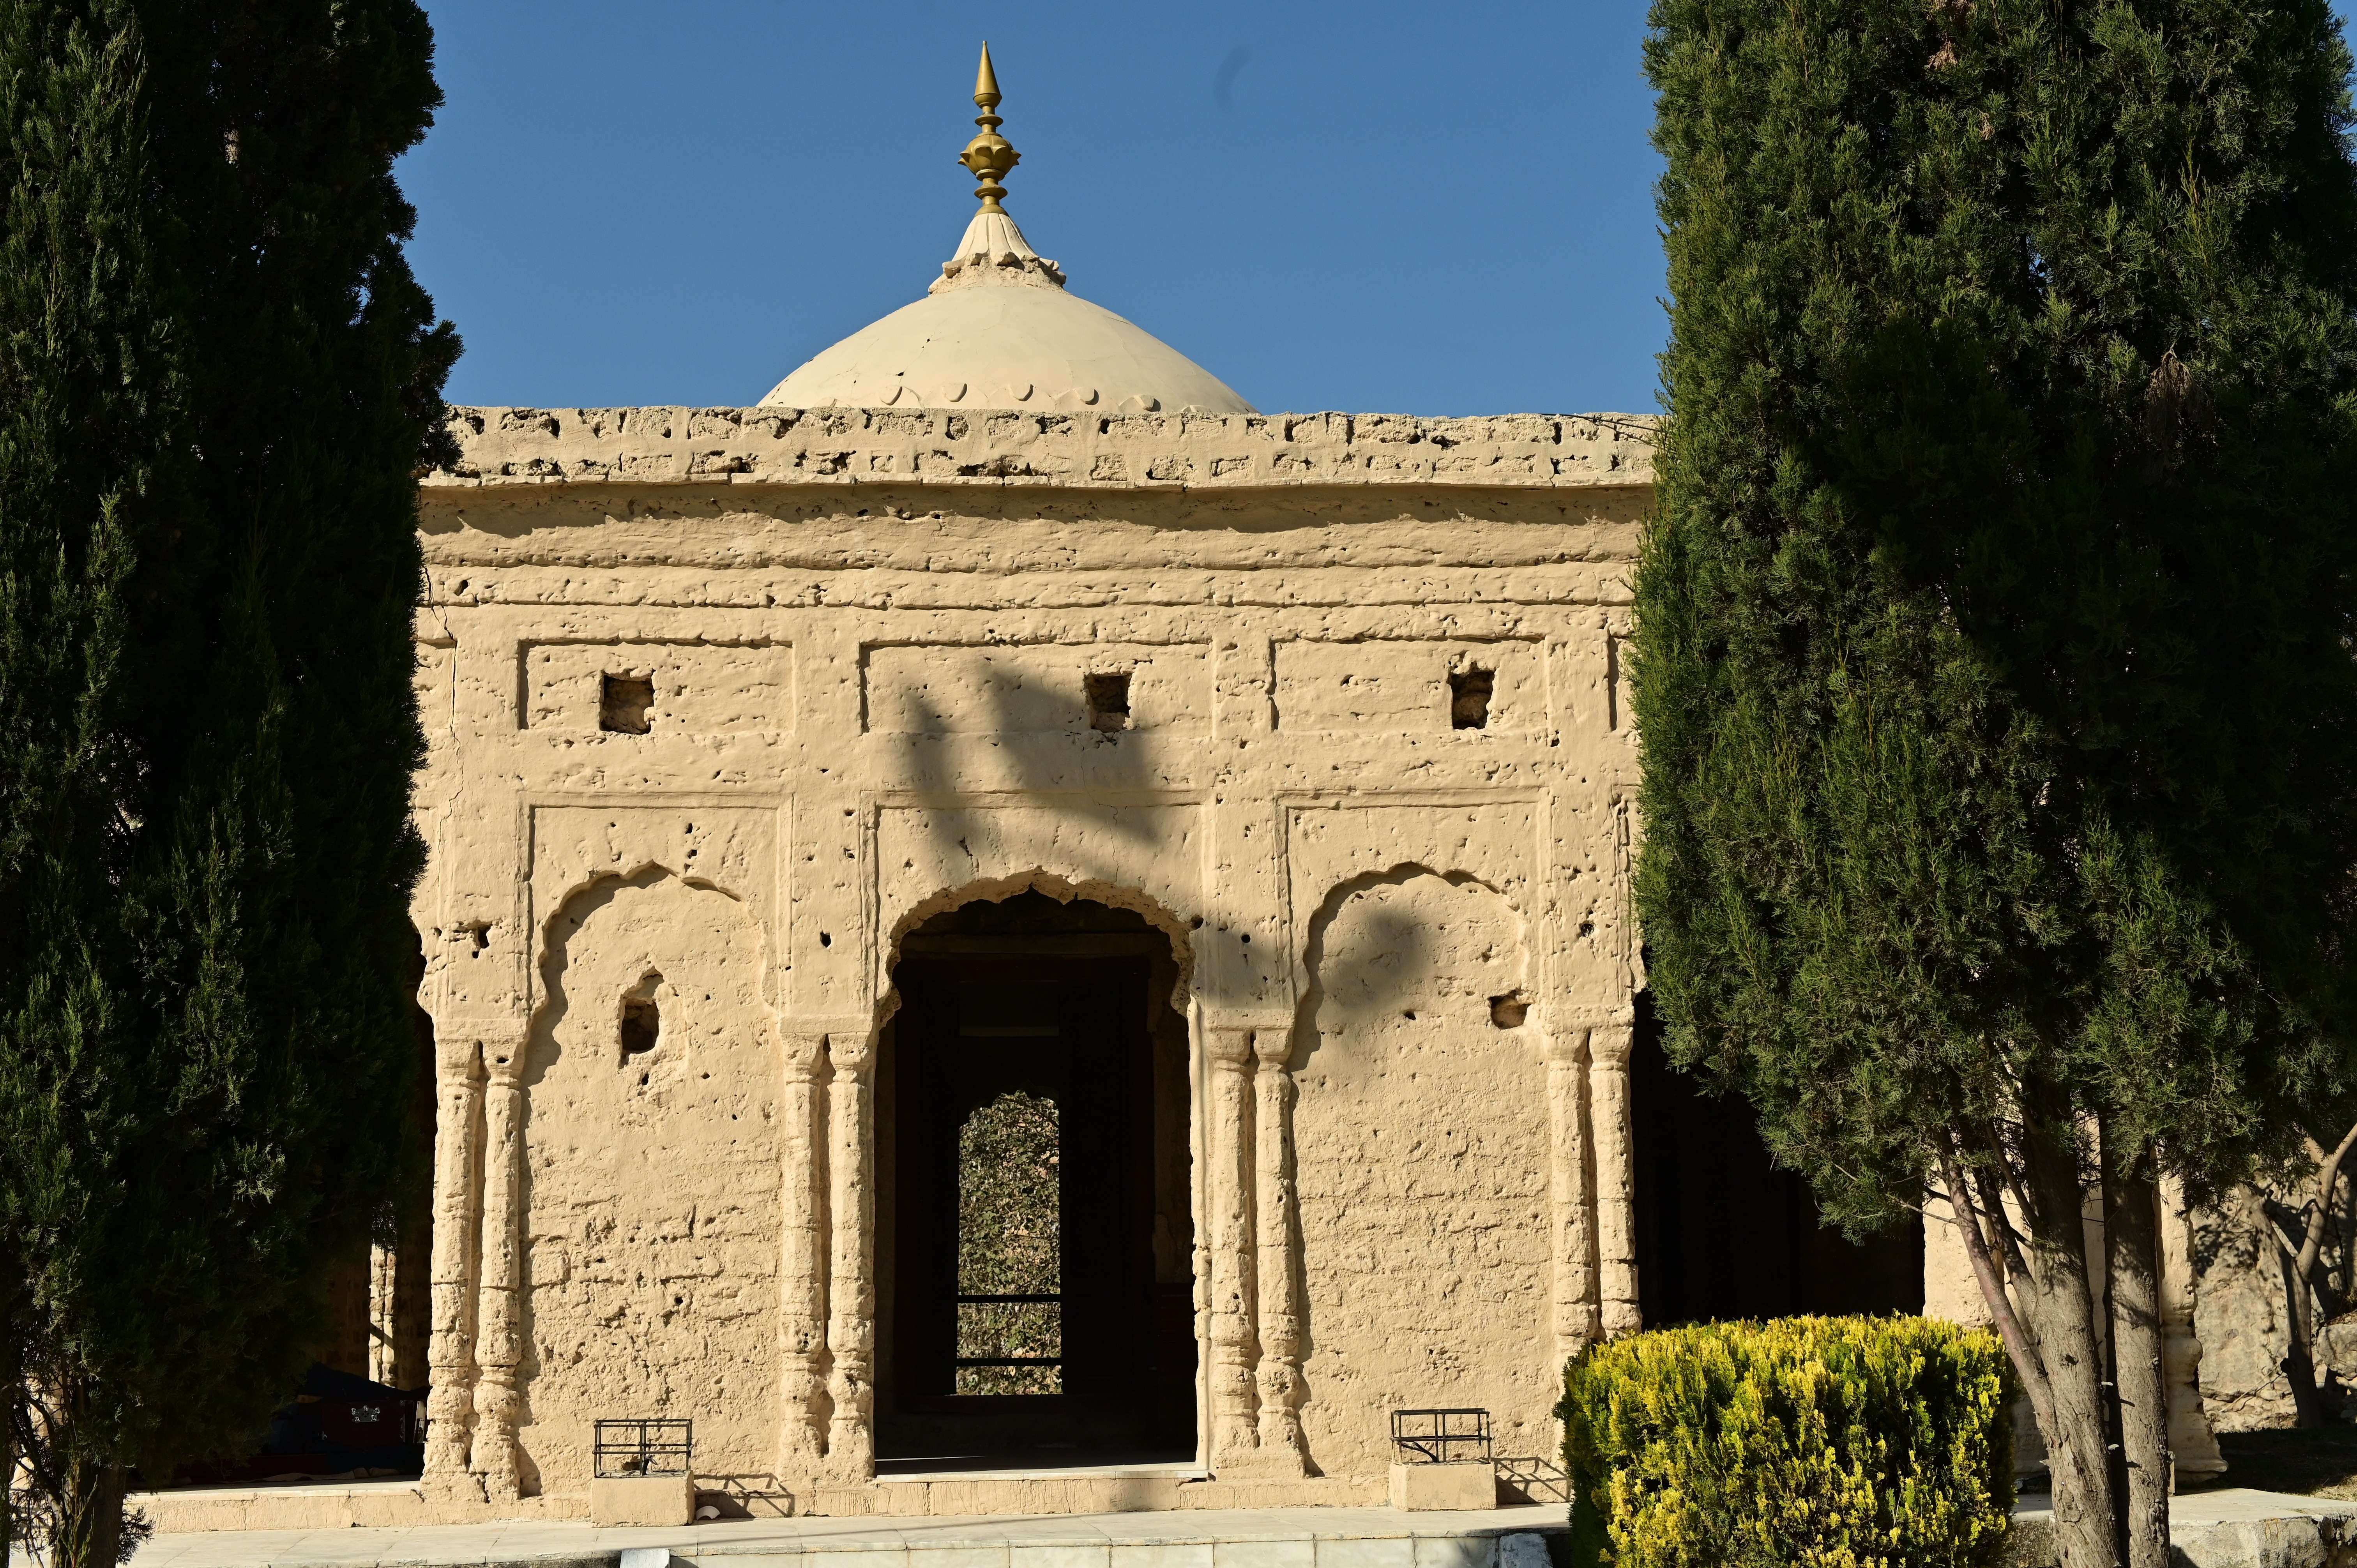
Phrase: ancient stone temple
pixel 1004 731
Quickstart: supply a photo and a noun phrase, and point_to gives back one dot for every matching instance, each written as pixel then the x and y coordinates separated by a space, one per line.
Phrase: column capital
pixel 466 1044
pixel 1273 1047
pixel 803 1049
pixel 1609 1045
pixel 457 1061
pixel 848 1039
pixel 1229 1045
pixel 825 1024
pixel 1562 1043
pixel 1232 1037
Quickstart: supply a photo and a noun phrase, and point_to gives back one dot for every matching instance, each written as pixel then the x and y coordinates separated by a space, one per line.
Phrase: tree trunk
pixel 2060 1309
pixel 90 1516
pixel 2019 1347
pixel 2299 1357
pixel 2132 1248
pixel 12 1390
pixel 84 1486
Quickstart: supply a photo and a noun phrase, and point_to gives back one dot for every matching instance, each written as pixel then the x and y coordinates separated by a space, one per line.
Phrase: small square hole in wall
pixel 641 1026
pixel 623 702
pixel 1108 698
pixel 1469 699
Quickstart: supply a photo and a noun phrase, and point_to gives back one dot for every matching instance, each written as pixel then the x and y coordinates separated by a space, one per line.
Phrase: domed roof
pixel 997 329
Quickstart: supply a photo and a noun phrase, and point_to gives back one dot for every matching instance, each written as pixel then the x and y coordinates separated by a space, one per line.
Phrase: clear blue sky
pixel 1372 207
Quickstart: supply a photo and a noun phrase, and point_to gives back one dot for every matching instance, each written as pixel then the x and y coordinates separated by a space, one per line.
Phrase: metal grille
pixel 644 1448
pixel 1440 1436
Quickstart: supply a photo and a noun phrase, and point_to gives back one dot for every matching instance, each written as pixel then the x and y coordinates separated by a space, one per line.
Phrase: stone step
pixel 1258 1538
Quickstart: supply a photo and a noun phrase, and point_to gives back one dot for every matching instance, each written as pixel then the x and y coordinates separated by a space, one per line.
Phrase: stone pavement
pixel 2226 1528
pixel 1257 1538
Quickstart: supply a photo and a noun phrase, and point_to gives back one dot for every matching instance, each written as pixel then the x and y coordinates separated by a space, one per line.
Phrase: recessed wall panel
pixel 1381 685
pixel 698 688
pixel 949 689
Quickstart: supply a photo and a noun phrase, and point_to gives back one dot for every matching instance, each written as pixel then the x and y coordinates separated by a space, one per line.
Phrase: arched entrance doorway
pixel 1037 1297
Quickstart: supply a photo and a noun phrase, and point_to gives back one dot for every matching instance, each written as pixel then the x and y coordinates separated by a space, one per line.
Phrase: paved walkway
pixel 2227 1528
pixel 1258 1538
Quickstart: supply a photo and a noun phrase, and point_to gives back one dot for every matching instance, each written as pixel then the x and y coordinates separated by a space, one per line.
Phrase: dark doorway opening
pixel 1721 1233
pixel 1037 1285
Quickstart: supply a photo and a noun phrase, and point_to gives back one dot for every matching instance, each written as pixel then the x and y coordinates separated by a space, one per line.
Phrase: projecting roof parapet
pixel 1083 451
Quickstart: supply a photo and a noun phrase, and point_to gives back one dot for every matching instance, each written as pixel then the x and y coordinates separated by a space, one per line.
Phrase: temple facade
pixel 1004 714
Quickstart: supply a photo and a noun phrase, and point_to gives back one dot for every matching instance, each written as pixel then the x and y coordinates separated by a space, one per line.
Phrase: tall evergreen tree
pixel 218 379
pixel 1993 652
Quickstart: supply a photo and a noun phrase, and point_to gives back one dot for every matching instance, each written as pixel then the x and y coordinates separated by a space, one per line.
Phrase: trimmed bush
pixel 1798 1443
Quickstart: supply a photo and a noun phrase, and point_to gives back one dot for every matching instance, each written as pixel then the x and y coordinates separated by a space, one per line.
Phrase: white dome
pixel 997 330
pixel 1004 347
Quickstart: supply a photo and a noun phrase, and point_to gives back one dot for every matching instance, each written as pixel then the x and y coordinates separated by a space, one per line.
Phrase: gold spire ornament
pixel 989 155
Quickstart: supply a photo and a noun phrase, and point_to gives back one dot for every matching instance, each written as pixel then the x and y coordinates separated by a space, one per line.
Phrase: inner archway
pixel 1037 1234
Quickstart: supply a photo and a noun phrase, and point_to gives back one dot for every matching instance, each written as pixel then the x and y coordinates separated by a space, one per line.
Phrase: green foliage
pixel 1993 672
pixel 1800 1442
pixel 1010 1242
pixel 218 379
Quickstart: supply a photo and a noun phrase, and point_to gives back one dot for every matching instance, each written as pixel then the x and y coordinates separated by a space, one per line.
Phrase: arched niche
pixel 1420 1164
pixel 654 1208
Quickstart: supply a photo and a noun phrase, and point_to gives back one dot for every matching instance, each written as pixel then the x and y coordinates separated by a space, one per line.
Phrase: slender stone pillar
pixel 1616 1176
pixel 450 1350
pixel 1570 1197
pixel 801 1263
pixel 1234 1441
pixel 499 1345
pixel 1278 1263
pixel 2191 1445
pixel 383 1313
pixel 851 1318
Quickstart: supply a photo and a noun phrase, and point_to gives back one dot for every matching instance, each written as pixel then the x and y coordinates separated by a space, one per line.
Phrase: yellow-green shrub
pixel 1798 1443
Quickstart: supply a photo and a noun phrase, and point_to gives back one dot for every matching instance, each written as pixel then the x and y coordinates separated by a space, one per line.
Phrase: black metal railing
pixel 1440 1436
pixel 655 1447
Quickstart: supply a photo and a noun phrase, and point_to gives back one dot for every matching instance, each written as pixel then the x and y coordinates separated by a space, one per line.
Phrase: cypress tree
pixel 218 380
pixel 1993 658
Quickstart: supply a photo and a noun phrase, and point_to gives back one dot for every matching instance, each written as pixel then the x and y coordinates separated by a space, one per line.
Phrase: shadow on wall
pixel 1721 1233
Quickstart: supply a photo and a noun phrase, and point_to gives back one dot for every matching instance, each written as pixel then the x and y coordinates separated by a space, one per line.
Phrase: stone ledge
pixel 2231 1527
pixel 998 449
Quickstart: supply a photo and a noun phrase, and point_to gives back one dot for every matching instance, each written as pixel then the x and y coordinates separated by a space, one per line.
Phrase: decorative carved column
pixel 851 1319
pixel 1278 1262
pixel 499 1345
pixel 802 1263
pixel 2191 1445
pixel 450 1352
pixel 1234 1441
pixel 1616 1176
pixel 383 1279
pixel 1571 1221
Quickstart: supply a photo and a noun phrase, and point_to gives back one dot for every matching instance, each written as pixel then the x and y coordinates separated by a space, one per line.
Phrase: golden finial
pixel 988 156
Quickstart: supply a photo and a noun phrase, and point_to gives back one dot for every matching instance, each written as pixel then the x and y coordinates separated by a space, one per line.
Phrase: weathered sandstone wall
pixel 854 654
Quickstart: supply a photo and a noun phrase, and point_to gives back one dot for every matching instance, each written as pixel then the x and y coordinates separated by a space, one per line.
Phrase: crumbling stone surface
pixel 1423 1137
pixel 653 1216
pixel 850 446
pixel 1217 671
